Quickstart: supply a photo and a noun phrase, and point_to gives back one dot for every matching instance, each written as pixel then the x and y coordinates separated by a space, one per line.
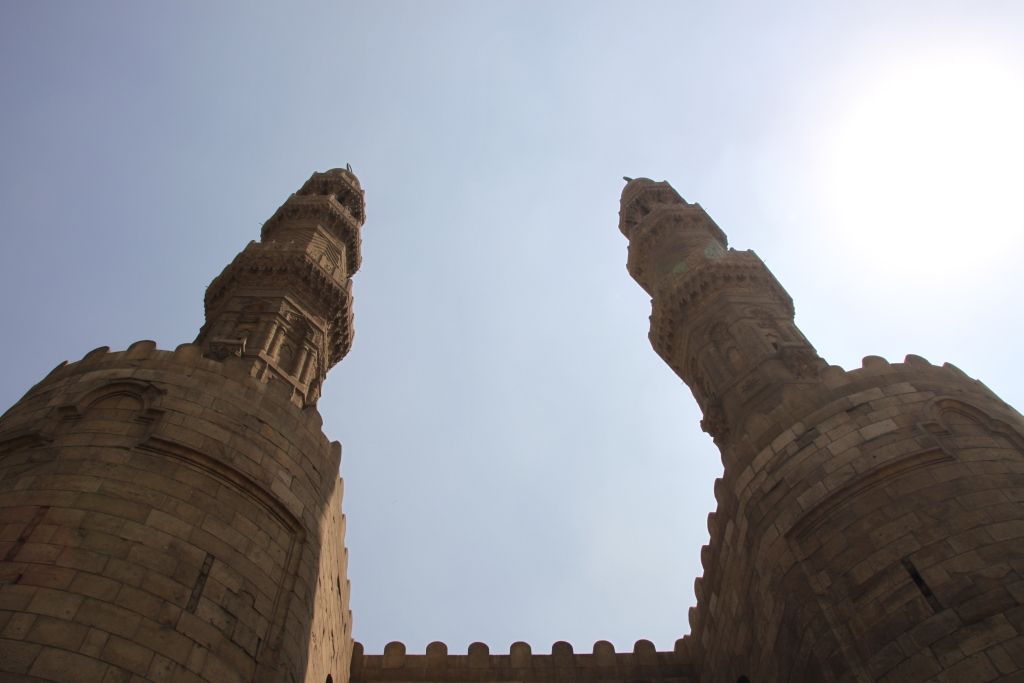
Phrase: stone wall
pixel 165 517
pixel 478 665
pixel 869 527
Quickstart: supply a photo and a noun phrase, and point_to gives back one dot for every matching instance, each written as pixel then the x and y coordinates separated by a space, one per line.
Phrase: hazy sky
pixel 519 464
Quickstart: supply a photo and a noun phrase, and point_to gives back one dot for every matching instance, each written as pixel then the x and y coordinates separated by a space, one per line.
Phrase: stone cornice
pixel 327 211
pixel 343 186
pixel 260 263
pixel 677 295
pixel 647 233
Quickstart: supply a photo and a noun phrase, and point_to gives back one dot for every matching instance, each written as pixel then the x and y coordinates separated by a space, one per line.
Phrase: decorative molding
pixel 715 423
pixel 328 213
pixel 676 296
pixel 814 518
pixel 23 438
pixel 801 360
pixel 935 425
pixel 221 348
pixel 271 266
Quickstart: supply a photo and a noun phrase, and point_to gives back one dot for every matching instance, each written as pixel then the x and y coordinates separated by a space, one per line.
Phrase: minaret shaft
pixel 285 304
pixel 719 318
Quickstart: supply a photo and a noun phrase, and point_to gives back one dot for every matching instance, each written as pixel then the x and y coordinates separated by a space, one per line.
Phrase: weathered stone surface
pixel 868 523
pixel 282 310
pixel 478 665
pixel 175 516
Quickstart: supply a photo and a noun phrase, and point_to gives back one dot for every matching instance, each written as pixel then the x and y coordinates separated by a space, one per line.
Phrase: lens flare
pixel 926 166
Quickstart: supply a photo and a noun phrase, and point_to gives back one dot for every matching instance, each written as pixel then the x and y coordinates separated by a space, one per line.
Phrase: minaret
pixel 720 319
pixel 869 523
pixel 284 304
pixel 176 515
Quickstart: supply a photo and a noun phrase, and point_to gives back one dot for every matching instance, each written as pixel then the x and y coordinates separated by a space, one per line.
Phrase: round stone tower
pixel 869 523
pixel 176 515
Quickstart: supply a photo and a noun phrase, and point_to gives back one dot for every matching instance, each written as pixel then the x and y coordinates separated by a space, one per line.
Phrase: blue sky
pixel 519 464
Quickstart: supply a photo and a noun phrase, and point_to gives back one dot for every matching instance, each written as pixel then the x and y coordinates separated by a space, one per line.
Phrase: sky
pixel 518 462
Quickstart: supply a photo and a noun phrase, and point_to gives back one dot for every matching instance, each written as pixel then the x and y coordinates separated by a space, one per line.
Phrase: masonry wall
pixel 869 527
pixel 165 517
pixel 644 664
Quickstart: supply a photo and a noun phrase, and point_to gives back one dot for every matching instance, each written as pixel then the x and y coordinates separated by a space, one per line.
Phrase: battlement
pixel 873 386
pixel 190 399
pixel 190 356
pixel 644 663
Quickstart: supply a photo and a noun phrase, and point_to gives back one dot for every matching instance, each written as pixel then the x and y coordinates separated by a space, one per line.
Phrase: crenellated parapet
pixel 478 665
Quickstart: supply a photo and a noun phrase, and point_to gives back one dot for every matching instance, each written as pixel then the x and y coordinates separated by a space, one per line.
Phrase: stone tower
pixel 869 523
pixel 176 515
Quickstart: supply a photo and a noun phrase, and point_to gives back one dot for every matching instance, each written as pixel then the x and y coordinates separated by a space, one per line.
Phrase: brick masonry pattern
pixel 165 517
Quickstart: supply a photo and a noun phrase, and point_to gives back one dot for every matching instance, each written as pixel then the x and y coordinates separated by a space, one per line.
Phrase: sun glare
pixel 925 166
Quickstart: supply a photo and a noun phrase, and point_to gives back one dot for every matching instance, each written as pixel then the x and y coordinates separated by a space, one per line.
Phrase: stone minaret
pixel 176 515
pixel 284 304
pixel 720 318
pixel 869 523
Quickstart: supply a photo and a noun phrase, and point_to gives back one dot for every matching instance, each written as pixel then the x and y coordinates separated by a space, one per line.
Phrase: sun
pixel 924 168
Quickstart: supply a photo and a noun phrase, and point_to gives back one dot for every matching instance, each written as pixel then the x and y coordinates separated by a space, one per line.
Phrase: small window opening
pixel 921 584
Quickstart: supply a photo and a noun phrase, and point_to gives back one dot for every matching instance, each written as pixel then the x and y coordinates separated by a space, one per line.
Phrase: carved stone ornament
pixel 714 423
pixel 220 348
pixel 800 360
pixel 719 334
pixel 765 318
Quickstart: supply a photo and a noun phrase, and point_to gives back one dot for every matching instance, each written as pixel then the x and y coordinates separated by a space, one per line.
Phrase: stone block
pixel 60 665
pixel 127 655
